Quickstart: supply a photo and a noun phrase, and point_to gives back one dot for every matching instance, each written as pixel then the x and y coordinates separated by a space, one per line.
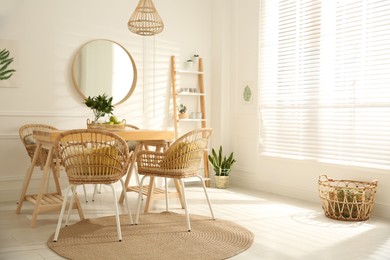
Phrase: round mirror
pixel 104 67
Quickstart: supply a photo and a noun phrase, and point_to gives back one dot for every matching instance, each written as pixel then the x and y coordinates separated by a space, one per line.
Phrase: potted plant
pixel 182 111
pixel 101 105
pixel 222 166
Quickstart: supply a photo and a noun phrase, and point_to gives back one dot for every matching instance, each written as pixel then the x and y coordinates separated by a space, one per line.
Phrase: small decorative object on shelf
pixel 222 166
pixel 189 64
pixel 101 105
pixel 196 58
pixel 182 111
pixel 196 115
pixel 347 199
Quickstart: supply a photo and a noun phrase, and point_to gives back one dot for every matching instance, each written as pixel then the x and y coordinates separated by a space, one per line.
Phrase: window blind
pixel 325 81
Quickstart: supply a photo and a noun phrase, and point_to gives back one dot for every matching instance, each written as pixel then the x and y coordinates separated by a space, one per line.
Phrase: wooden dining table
pixel 45 139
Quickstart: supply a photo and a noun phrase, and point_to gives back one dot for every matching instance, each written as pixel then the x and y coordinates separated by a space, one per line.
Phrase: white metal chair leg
pixel 70 204
pixel 166 194
pixel 137 179
pixel 94 192
pixel 139 200
pixel 127 202
pixel 207 196
pixel 185 205
pixel 118 222
pixel 61 214
pixel 85 194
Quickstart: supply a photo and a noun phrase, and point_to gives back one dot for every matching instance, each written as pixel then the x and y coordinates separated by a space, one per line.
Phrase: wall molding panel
pixel 42 114
pixel 9 136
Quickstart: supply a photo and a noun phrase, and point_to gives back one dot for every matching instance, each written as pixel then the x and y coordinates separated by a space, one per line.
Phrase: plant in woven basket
pixel 101 105
pixel 347 201
pixel 221 164
pixel 5 61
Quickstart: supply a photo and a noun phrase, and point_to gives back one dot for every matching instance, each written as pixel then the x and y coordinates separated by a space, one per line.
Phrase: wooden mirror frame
pixel 76 64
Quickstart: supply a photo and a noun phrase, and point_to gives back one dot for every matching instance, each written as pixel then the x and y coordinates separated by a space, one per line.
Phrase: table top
pixel 49 136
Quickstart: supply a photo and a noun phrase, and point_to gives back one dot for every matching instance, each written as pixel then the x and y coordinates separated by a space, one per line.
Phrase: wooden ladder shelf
pixel 199 94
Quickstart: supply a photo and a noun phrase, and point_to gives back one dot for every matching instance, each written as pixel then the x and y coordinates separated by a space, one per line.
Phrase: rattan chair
pixel 180 161
pixel 131 145
pixel 29 142
pixel 150 145
pixel 26 135
pixel 92 156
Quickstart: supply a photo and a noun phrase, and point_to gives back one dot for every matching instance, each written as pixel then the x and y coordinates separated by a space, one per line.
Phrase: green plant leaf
pixel 5 73
pixel 221 163
pixel 101 105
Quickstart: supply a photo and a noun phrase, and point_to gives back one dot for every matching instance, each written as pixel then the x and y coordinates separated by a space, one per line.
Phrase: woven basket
pixel 222 182
pixel 346 199
pixel 91 125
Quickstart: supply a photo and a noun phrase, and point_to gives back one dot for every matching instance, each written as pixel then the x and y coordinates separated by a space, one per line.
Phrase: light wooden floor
pixel 284 228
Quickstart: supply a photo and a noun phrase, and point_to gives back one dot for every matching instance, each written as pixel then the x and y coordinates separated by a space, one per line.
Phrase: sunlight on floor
pixel 284 228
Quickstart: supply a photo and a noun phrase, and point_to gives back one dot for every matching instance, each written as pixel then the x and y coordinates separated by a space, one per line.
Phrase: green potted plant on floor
pixel 222 166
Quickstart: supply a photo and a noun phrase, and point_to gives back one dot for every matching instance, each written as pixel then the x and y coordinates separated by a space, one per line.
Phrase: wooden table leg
pixel 55 166
pixel 206 168
pixel 27 179
pixel 150 194
pixel 78 207
pixel 130 172
pixel 44 181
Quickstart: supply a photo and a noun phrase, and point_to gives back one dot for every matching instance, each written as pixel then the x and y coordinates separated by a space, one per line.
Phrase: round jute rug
pixel 157 236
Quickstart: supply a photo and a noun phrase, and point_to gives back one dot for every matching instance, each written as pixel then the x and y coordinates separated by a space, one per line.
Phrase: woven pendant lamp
pixel 145 20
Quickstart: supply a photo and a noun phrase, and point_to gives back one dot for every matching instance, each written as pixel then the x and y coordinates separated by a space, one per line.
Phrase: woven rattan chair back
pixel 26 135
pixel 92 156
pixel 181 160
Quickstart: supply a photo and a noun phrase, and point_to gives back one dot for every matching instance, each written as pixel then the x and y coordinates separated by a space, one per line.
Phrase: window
pixel 325 81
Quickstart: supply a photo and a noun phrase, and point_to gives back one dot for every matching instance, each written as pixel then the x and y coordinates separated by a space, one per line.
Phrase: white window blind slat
pixel 324 81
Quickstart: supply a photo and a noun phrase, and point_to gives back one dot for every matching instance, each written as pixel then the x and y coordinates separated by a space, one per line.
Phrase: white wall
pixel 224 32
pixel 47 34
pixel 297 179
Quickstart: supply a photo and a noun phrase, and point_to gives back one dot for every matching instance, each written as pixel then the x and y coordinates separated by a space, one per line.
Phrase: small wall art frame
pixel 8 64
pixel 247 93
